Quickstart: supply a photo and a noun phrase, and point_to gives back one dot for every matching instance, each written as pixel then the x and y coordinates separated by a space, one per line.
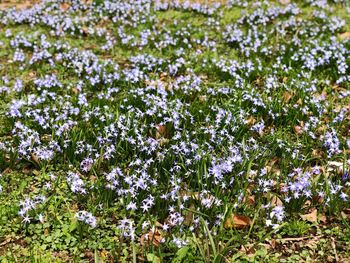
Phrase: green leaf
pixel 181 254
pixel 153 258
pixel 261 252
pixel 73 225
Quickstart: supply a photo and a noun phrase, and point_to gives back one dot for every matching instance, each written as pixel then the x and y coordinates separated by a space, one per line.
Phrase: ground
pixel 174 131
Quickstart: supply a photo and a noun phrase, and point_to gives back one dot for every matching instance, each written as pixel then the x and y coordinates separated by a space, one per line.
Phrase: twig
pixel 298 238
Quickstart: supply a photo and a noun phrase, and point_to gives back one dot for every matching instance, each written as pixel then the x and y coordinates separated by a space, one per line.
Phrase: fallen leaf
pixel 92 178
pixel 284 2
pixel 152 237
pixel 31 75
pixel 318 199
pixel 104 255
pixel 307 204
pixel 251 121
pixel 287 96
pixel 323 219
pixel 4 6
pixel 321 129
pixel 6 171
pixel 163 75
pixel 8 239
pixel 160 131
pixel 345 213
pixel 311 217
pixel 250 200
pixel 35 158
pixel 344 35
pixel 247 250
pixel 334 166
pixel 334 249
pixel 202 98
pixel 75 90
pixel 64 6
pixel 237 221
pixel 273 243
pixel 259 81
pixel 298 129
pixel 27 169
pixel 318 153
pixel 275 201
pixel 189 216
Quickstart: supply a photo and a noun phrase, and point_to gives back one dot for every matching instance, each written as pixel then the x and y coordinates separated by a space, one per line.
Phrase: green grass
pixel 284 108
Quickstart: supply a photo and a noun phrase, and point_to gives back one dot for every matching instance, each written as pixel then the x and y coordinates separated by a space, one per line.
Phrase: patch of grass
pixel 131 132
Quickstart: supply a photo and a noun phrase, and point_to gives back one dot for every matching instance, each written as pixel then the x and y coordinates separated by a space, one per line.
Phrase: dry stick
pixel 334 249
pixel 298 238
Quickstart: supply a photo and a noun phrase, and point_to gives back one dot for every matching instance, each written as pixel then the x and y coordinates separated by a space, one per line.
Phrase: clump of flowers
pixel 87 218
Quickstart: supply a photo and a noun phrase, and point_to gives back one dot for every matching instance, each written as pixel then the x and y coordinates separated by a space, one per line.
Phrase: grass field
pixel 175 131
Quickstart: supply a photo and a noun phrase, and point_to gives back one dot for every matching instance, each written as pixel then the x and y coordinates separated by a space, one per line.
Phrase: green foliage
pixel 295 228
pixel 60 237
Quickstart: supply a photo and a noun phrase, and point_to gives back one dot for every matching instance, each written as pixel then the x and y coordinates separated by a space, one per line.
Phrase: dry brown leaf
pixel 104 255
pixel 247 250
pixel 151 237
pixel 35 158
pixel 323 219
pixel 344 35
pixel 345 213
pixel 318 153
pixel 338 88
pixel 321 129
pixel 317 199
pixel 189 216
pixel 237 221
pixel 251 121
pixel 6 171
pixel 298 129
pixel 27 169
pixel 287 96
pixel 163 75
pixel 273 161
pixel 307 204
pixel 250 200
pixel 75 90
pixel 311 217
pixel 92 178
pixel 334 249
pixel 19 6
pixel 64 6
pixel 259 81
pixel 161 131
pixel 271 167
pixel 334 166
pixel 8 239
pixel 284 2
pixel 275 201
pixel 273 243
pixel 202 98
pixel 31 75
